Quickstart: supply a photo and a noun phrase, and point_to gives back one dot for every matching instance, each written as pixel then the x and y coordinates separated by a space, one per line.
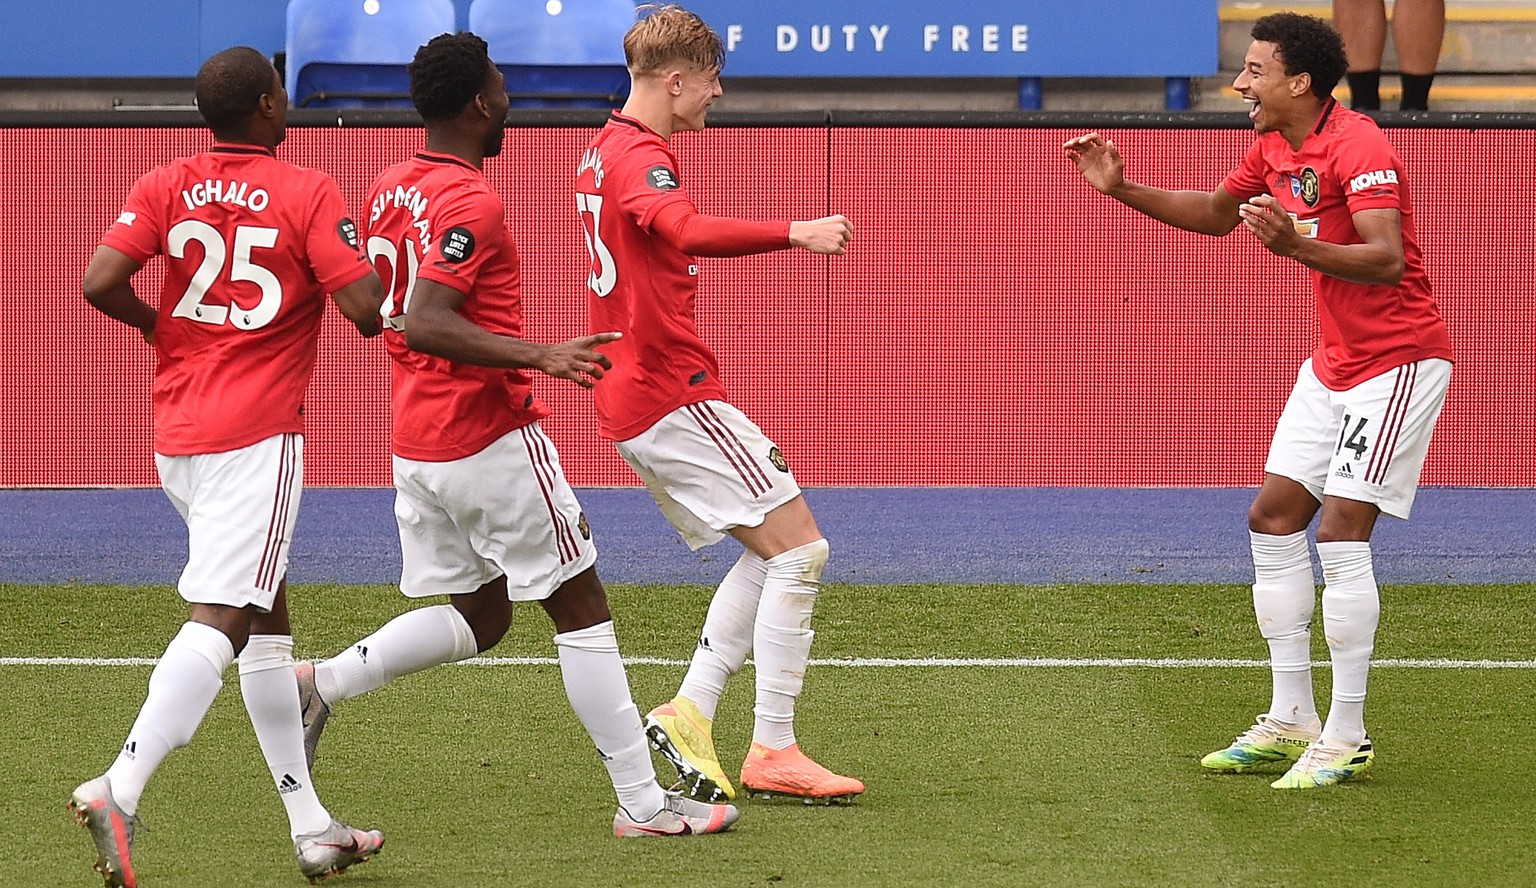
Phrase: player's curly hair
pixel 1306 44
pixel 669 34
pixel 230 85
pixel 447 73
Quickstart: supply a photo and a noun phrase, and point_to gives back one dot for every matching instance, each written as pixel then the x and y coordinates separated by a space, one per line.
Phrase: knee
pixel 1267 520
pixel 579 603
pixel 489 617
pixel 805 563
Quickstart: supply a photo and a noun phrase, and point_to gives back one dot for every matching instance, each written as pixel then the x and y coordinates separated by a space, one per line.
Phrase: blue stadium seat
pixel 353 53
pixel 558 53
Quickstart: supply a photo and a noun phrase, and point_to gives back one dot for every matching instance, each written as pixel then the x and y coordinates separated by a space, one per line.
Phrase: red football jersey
pixel 252 246
pixel 436 218
pixel 1346 165
pixel 639 285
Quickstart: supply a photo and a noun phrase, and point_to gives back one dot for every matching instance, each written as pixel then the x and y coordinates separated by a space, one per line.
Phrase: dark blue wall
pixel 136 38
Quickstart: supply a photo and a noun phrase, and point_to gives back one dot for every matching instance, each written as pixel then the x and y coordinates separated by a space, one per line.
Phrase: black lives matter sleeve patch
pixel 348 231
pixel 458 244
pixel 662 178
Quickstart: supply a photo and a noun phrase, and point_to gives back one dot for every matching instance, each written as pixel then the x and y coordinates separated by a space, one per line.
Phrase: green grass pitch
pixel 1011 775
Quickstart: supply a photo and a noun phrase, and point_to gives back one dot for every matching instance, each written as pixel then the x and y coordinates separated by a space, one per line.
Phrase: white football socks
pixel 181 689
pixel 1351 612
pixel 726 638
pixel 1284 597
pixel 416 640
pixel 598 688
pixel 781 640
pixel 272 700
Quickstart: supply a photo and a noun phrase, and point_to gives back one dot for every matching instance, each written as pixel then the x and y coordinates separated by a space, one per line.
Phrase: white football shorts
pixel 240 507
pixel 710 469
pixel 505 510
pixel 1366 443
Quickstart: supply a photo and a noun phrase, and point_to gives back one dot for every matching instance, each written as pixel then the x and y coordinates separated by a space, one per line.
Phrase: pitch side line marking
pixel 894 662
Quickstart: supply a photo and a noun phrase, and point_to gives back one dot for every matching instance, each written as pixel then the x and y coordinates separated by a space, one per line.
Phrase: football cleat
pixel 313 709
pixel 331 850
pixel 679 816
pixel 789 772
pixel 1326 763
pixel 681 733
pixel 111 829
pixel 1269 740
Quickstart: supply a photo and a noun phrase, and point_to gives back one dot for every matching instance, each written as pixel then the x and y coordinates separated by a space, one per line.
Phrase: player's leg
pixel 322 845
pixel 1418 29
pixel 713 471
pixel 1284 592
pixel 1382 439
pixel 438 558
pixel 686 460
pixel 598 689
pixel 795 555
pixel 534 530
pixel 1363 25
pixel 682 728
pixel 259 497
pixel 217 581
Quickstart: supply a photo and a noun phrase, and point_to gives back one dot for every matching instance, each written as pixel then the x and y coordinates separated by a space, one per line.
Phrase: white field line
pixel 895 662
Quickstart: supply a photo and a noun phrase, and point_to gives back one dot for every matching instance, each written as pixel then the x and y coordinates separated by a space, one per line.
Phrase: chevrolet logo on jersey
pixel 662 179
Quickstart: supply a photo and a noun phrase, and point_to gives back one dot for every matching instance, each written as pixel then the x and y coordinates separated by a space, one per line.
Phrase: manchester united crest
pixel 1309 187
pixel 777 458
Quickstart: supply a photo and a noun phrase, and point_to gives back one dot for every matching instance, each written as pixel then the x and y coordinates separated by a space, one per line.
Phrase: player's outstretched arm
pixel 359 303
pixel 1097 158
pixel 434 326
pixel 686 230
pixel 829 235
pixel 1378 259
pixel 108 287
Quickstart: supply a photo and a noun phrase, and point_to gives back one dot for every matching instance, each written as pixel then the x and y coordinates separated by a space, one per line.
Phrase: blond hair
pixel 670 34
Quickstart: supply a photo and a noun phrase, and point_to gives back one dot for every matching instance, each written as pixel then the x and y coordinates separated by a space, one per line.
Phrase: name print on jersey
pixel 410 199
pixel 215 191
pixel 592 159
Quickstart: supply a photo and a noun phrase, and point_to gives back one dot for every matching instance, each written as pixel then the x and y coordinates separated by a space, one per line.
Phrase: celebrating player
pixel 252 245
pixel 710 468
pixel 1320 185
pixel 485 514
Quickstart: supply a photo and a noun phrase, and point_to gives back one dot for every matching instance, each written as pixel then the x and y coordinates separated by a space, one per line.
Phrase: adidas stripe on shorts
pixel 1366 443
pixel 711 469
pixel 505 510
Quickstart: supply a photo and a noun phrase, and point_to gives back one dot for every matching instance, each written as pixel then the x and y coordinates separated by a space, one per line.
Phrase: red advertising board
pixel 995 323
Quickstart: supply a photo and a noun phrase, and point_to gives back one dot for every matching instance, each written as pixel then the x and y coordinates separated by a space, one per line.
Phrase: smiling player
pixel 1320 185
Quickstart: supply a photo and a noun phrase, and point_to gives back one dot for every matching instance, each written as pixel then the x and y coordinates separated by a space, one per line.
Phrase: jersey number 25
pixel 215 252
